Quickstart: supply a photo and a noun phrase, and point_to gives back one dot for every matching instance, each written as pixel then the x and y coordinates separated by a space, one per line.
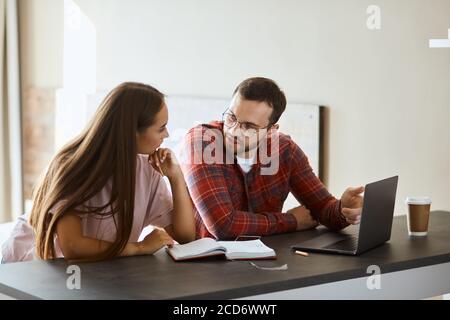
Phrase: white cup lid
pixel 418 200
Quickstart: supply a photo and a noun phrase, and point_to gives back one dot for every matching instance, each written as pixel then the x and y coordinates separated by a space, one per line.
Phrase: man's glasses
pixel 230 121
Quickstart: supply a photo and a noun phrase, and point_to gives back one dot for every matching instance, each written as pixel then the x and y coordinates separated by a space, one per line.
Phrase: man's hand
pixel 352 202
pixel 304 219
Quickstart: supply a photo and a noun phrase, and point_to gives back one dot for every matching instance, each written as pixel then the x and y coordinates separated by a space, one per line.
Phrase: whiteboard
pixel 300 121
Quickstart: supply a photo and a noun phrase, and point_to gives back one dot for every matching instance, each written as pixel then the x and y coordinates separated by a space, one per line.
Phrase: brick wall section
pixel 38 134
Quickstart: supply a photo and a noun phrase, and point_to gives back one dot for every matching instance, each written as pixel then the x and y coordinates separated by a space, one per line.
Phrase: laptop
pixel 374 229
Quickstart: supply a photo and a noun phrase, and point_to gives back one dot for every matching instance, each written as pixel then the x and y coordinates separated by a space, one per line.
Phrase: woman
pixel 103 188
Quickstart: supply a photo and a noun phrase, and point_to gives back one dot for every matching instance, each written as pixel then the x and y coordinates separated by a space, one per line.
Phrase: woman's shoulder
pixel 144 168
pixel 146 176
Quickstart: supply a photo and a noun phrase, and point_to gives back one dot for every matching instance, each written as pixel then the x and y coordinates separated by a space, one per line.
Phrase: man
pixel 240 170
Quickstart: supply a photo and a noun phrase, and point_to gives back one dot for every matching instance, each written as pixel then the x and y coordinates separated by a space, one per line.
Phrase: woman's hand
pixel 165 162
pixel 157 239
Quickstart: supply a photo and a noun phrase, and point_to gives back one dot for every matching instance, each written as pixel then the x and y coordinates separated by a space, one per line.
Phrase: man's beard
pixel 240 148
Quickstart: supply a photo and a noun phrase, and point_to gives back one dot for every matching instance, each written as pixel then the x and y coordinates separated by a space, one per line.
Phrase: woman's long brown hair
pixel 105 150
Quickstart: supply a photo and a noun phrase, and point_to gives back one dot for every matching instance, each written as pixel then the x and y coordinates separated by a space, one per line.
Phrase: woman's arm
pixel 75 246
pixel 182 228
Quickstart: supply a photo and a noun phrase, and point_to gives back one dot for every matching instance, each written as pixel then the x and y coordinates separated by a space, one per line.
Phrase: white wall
pixel 41 43
pixel 387 92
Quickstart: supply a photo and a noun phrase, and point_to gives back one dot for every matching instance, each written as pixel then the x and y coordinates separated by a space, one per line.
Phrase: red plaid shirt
pixel 231 203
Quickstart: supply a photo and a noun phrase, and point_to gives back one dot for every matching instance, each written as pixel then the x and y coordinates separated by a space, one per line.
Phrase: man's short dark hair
pixel 264 90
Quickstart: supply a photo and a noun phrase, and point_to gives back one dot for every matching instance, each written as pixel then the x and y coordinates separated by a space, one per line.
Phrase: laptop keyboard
pixel 349 244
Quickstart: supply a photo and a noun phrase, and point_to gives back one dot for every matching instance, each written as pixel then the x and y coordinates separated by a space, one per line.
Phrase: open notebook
pixel 233 250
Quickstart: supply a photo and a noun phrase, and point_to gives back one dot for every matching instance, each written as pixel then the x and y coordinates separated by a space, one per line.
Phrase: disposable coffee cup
pixel 418 215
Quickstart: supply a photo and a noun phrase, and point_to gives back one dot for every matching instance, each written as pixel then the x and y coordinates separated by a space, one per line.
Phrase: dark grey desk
pixel 410 268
